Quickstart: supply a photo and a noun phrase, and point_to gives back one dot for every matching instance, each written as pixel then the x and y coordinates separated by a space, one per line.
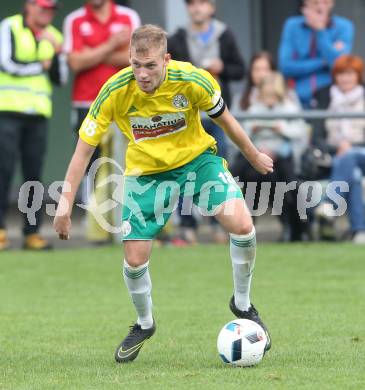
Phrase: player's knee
pixel 136 253
pixel 243 228
pixel 134 260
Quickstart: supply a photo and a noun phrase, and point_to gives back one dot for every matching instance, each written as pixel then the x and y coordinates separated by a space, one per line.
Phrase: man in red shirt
pixel 97 42
pixel 97 39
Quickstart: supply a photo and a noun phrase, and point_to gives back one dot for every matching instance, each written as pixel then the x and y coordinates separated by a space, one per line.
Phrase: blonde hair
pixel 276 82
pixel 149 36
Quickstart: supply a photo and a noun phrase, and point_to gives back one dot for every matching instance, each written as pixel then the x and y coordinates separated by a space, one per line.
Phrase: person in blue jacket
pixel 310 44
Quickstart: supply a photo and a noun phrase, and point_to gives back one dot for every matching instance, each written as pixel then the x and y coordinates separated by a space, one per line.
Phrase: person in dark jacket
pixel 209 44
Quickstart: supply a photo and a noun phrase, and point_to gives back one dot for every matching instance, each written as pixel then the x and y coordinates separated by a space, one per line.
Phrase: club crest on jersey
pixel 180 101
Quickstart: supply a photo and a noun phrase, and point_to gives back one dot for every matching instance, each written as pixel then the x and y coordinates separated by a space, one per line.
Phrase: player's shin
pixel 138 282
pixel 243 254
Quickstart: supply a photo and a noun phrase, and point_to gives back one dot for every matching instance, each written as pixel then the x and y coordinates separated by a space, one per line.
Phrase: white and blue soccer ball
pixel 241 343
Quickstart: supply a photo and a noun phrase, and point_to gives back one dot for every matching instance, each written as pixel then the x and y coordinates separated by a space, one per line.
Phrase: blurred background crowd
pixel 274 61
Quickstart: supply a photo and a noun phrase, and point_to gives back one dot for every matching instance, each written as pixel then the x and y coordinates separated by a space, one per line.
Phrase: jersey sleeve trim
pixel 218 109
pixel 110 87
pixel 196 77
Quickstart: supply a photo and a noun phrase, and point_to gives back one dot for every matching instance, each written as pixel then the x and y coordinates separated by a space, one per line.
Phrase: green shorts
pixel 149 200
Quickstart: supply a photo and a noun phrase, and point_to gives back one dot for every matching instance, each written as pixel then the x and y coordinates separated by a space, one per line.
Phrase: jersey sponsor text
pixel 157 126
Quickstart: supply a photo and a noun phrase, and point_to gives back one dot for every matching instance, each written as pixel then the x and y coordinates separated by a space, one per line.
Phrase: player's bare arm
pixel 74 175
pixel 260 161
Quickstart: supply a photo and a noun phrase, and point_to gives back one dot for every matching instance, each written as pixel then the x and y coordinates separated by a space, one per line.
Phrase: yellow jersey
pixel 163 129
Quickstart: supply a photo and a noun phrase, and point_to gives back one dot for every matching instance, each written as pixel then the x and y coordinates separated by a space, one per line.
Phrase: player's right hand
pixel 263 164
pixel 62 226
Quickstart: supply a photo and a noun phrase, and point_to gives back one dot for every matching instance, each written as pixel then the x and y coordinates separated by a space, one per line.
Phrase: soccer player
pixel 156 104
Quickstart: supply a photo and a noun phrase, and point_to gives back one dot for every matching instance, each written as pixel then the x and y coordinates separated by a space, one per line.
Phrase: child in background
pixel 284 140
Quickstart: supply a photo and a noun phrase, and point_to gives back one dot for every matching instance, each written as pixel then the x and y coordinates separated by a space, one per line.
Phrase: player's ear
pixel 167 58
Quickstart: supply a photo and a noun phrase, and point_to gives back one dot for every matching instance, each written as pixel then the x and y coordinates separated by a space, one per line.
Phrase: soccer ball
pixel 241 343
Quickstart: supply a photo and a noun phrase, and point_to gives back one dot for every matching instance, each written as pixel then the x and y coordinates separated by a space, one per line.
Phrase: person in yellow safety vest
pixel 31 60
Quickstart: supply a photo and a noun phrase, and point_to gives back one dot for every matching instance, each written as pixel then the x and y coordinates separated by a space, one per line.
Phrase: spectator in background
pixel 261 65
pixel 347 138
pixel 97 44
pixel 281 139
pixel 30 60
pixel 209 44
pixel 289 137
pixel 310 44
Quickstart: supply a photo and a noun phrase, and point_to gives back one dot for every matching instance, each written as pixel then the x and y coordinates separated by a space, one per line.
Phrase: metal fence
pixel 305 114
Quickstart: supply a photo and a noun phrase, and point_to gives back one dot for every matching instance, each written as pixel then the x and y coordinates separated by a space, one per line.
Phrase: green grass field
pixel 62 314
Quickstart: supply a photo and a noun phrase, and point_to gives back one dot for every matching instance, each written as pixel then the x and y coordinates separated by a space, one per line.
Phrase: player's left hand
pixel 263 164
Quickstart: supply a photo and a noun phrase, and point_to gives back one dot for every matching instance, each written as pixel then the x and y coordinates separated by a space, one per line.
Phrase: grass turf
pixel 63 313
